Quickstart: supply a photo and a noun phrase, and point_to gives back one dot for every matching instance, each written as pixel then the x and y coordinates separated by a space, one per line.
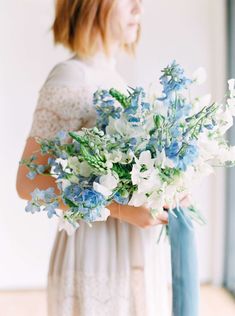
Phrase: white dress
pixel 113 268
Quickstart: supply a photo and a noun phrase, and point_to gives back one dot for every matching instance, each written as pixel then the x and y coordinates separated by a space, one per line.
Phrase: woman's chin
pixel 131 39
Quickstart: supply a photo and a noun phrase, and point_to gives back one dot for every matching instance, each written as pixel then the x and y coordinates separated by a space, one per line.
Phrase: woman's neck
pixel 101 59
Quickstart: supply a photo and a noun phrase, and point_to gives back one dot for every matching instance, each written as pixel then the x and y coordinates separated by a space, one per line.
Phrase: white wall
pixel 192 32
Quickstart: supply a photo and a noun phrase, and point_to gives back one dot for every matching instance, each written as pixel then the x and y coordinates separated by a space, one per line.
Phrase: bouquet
pixel 146 148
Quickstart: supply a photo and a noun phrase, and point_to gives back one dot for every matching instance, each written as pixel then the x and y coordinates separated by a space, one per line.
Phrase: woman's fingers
pixel 162 218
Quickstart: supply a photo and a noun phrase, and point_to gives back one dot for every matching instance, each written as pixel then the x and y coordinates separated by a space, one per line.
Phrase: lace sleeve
pixel 61 107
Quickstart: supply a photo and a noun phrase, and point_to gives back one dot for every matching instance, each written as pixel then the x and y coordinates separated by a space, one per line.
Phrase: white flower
pixel 107 183
pixel 231 102
pixel 101 189
pixel 163 160
pixel 156 201
pixel 231 106
pixel 226 154
pixel 127 157
pixel 63 162
pixel 226 119
pixel 146 161
pixel 81 168
pixel 199 103
pixel 195 173
pixel 73 163
pixel 153 182
pixel 124 128
pixel 104 214
pixel 231 84
pixel 85 169
pixel 208 147
pixel 65 183
pixel 144 173
pixel 138 199
pixel 65 225
pixel 114 156
pixel 231 87
pixel 199 76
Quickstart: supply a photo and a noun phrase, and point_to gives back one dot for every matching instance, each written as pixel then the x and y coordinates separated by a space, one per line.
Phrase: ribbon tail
pixel 184 265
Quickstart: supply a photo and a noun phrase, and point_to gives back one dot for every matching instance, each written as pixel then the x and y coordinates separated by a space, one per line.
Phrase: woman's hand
pixel 184 202
pixel 137 216
pixel 141 216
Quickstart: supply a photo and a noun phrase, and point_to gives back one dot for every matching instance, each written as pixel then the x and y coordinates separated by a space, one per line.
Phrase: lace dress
pixel 113 268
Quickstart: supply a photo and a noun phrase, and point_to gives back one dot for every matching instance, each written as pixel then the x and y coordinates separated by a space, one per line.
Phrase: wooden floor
pixel 214 302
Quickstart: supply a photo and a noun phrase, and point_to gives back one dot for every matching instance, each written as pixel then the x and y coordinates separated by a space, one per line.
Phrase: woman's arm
pixel 23 184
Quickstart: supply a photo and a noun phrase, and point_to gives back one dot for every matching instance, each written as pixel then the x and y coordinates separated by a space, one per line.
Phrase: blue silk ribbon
pixel 184 265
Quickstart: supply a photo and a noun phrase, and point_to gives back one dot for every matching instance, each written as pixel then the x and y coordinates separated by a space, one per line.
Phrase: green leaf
pixel 120 97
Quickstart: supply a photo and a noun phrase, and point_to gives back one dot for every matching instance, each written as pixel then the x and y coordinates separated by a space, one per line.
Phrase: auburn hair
pixel 78 24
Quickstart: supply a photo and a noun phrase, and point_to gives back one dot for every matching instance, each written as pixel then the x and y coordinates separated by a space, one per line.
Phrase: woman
pixel 114 268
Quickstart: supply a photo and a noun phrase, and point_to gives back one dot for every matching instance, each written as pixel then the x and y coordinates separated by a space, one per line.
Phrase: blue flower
pixel 209 126
pixel 72 192
pixel 120 199
pixel 189 156
pixel 50 209
pixel 58 169
pixel 51 161
pixel 136 103
pixel 86 201
pixel 173 149
pixel 44 195
pixel 41 169
pixel 31 175
pixel 179 108
pixel 49 195
pixel 182 157
pixel 32 207
pixel 62 135
pixel 175 131
pixel 173 79
pixel 105 108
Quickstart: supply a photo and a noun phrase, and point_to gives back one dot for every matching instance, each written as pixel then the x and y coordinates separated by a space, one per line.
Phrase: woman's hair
pixel 78 24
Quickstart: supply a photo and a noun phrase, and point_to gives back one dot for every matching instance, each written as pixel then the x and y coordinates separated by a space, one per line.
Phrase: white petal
pixel 150 184
pixel 155 201
pixel 65 225
pixel 84 169
pixel 228 121
pixel 65 183
pixel 105 212
pixel 137 199
pixel 199 103
pixel 231 84
pixel 102 189
pixel 145 158
pixel 109 181
pixel 231 102
pixel 135 174
pixel 63 162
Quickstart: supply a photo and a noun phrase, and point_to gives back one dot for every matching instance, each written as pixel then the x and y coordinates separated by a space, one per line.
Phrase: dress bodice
pixel 65 99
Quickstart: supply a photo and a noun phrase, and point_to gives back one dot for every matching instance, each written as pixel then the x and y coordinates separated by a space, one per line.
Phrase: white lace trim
pixel 92 295
pixel 61 107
